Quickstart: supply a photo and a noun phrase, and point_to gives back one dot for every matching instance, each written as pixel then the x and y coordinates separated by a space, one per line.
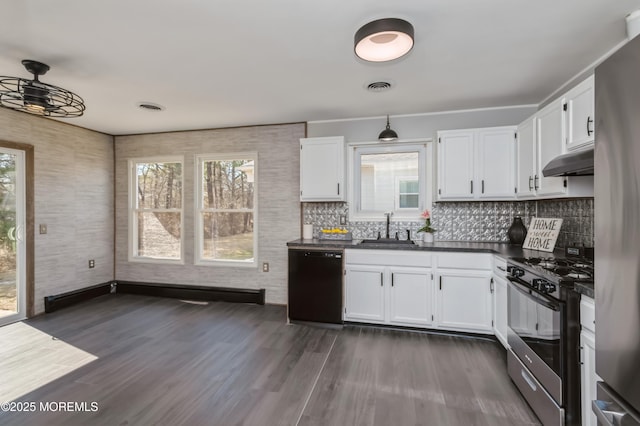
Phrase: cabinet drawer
pixel 388 257
pixel 588 314
pixel 465 261
pixel 499 266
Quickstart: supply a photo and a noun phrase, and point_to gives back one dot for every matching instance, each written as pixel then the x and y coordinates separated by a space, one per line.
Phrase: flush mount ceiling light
pixel 36 97
pixel 387 134
pixel 384 40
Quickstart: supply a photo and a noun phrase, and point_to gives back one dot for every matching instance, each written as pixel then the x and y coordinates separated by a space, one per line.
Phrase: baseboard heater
pixel 175 291
pixel 192 292
pixel 59 301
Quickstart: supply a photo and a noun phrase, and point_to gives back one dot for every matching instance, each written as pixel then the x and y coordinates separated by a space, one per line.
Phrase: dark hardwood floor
pixel 146 360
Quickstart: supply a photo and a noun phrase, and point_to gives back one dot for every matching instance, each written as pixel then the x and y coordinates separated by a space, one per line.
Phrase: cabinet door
pixel 411 296
pixel 364 293
pixel 526 158
pixel 589 376
pixel 455 165
pixel 500 309
pixel 496 154
pixel 550 134
pixel 322 169
pixel 579 115
pixel 464 301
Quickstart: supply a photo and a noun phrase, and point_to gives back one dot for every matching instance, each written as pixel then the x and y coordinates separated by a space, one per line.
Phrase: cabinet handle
pixel 338 188
pixel 530 181
pixel 440 283
pixel 535 183
pixel 589 122
pixel 381 279
pixel 392 279
pixel 502 269
pixel 472 187
pixel 483 186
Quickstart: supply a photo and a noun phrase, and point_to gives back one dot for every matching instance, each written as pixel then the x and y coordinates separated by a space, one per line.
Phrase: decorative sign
pixel 542 234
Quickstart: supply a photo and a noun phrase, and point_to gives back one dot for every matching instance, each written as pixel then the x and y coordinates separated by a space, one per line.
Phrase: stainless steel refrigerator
pixel 617 236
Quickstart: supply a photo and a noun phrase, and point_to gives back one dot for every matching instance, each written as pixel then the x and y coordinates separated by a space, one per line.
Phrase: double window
pixel 156 209
pixel 225 209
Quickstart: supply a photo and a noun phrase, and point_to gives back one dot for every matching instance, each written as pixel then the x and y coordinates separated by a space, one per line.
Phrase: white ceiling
pixel 231 63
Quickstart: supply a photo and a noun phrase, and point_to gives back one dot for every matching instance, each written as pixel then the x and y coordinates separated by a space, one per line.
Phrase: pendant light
pixel 36 97
pixel 387 134
pixel 384 40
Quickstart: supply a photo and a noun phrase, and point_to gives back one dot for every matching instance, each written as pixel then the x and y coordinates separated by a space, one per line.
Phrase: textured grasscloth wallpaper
pixel 470 221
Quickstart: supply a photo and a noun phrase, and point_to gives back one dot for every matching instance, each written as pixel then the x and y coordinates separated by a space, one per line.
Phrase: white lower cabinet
pixel 410 296
pixel 589 378
pixel 390 294
pixel 464 301
pixel 406 288
pixel 500 300
pixel 364 291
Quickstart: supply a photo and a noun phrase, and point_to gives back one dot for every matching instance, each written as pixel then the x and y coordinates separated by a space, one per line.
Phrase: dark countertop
pixel 585 289
pixel 503 250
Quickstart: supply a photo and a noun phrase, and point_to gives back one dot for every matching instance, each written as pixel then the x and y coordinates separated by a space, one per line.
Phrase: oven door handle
pixel 538 300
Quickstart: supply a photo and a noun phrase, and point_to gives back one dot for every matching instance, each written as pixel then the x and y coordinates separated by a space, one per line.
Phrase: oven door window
pixel 537 321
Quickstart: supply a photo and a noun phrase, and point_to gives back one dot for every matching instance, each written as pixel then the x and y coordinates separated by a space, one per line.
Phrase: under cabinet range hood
pixel 577 163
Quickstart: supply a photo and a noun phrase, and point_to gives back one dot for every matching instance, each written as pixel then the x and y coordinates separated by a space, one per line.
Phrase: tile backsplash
pixel 469 221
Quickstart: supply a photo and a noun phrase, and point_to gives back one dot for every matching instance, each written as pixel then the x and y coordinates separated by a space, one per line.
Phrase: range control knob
pixel 515 271
pixel 543 286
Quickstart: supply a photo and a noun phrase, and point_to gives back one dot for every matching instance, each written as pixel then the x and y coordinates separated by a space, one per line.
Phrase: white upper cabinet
pixel 541 138
pixel 526 150
pixel 496 153
pixel 477 164
pixel 579 115
pixel 455 165
pixel 322 169
pixel 550 134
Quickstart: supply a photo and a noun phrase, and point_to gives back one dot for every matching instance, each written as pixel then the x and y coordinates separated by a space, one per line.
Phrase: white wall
pixel 417 126
pixel 73 197
pixel 278 204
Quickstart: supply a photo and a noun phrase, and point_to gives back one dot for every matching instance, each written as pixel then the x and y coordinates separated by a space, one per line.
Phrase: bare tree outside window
pixel 157 214
pixel 227 196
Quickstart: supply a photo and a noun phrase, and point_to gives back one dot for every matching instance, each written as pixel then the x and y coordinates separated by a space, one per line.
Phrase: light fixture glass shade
pixel 388 134
pixel 384 40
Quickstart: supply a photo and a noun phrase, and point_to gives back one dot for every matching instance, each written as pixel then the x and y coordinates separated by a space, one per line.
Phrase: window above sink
pixel 395 177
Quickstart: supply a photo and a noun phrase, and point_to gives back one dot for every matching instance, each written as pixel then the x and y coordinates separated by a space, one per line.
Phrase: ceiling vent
pixel 378 86
pixel 150 106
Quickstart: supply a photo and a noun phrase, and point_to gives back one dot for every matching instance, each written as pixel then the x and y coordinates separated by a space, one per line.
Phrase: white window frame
pixel 133 210
pixel 199 196
pixel 426 178
pixel 400 179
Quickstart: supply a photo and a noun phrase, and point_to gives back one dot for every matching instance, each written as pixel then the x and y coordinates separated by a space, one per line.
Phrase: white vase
pixel 427 237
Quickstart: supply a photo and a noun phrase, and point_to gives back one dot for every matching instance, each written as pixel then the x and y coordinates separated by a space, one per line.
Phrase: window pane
pixel 409 201
pixel 228 184
pixel 227 236
pixel 159 185
pixel 159 235
pixel 379 174
pixel 409 187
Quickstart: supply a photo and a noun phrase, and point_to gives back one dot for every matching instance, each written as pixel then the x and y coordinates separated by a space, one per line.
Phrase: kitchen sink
pixel 388 241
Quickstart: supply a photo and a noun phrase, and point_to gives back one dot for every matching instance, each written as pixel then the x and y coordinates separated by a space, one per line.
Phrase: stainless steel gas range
pixel 544 334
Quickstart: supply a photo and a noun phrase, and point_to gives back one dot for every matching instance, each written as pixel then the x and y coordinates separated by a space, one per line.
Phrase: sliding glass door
pixel 12 236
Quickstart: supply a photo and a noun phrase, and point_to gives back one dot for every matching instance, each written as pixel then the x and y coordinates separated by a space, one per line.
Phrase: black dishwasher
pixel 315 286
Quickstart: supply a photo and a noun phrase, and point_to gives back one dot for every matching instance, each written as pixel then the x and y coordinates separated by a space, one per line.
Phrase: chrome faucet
pixel 388 222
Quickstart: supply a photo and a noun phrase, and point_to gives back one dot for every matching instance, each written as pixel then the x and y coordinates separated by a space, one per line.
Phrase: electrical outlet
pixel 92 264
pixel 265 267
pixel 343 219
pixel 43 228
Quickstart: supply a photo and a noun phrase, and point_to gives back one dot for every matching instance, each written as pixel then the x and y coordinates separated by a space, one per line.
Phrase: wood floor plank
pixel 148 360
